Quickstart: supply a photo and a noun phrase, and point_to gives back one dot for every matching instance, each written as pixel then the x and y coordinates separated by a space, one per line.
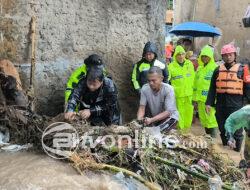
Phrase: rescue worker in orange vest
pixel 227 92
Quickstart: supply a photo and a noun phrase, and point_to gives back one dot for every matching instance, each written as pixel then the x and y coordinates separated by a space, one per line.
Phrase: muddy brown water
pixel 31 171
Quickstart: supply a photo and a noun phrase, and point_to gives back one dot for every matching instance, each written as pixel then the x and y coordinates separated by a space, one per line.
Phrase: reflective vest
pixel 202 81
pixel 228 81
pixel 182 78
pixel 140 71
pixel 74 79
pixel 246 76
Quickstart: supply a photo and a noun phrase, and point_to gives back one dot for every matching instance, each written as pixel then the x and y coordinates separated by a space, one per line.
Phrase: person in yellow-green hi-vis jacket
pixel 81 72
pixel 181 75
pixel 141 68
pixel 202 81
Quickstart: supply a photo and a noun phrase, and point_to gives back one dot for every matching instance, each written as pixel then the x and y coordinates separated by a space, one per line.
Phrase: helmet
pixel 229 48
pixel 93 60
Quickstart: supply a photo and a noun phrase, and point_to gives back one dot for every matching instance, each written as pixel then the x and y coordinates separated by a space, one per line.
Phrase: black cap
pixel 93 60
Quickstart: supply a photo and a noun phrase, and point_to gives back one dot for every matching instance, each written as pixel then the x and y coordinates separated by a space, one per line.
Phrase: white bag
pixel 247 15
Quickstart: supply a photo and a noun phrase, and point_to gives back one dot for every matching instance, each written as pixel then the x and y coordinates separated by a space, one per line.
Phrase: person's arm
pixel 165 74
pixel 161 116
pixel 212 89
pixel 231 126
pixel 141 112
pixel 142 107
pixel 73 101
pixel 135 82
pixel 74 78
pixel 170 104
pixel 192 72
pixel 246 89
pixel 75 97
pixel 195 86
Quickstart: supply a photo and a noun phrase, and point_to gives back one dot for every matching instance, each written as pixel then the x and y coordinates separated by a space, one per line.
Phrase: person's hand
pixel 231 143
pixel 70 116
pixel 208 109
pixel 85 114
pixel 140 120
pixel 148 121
pixel 248 175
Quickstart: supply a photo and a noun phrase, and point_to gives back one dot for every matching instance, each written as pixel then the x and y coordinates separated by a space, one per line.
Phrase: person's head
pixel 95 79
pixel 155 78
pixel 149 52
pixel 180 57
pixel 187 44
pixel 149 56
pixel 206 55
pixel 205 59
pixel 228 53
pixel 93 60
pixel 179 54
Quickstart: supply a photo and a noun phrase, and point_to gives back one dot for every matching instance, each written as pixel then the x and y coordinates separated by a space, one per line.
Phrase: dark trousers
pixel 167 125
pixel 222 113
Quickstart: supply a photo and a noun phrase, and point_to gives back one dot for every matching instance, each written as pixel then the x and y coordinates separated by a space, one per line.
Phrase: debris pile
pixel 181 162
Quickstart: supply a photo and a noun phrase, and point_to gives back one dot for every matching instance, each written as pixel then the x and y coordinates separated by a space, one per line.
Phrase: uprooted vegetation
pixel 178 167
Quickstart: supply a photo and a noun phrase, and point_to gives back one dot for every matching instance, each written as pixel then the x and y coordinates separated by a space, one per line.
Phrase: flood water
pixel 31 171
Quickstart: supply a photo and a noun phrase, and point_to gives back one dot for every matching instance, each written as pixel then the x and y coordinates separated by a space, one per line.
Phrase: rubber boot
pixel 238 145
pixel 223 139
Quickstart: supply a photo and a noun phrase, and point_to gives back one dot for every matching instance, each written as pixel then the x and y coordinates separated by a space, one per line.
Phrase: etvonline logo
pixel 64 139
pixel 60 140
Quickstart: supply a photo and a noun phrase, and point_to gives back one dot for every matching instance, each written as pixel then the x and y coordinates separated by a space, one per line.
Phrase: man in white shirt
pixel 157 103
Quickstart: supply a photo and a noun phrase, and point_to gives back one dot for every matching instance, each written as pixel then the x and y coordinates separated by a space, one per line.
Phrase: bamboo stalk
pixel 81 163
pixel 183 168
pixel 150 185
pixel 33 50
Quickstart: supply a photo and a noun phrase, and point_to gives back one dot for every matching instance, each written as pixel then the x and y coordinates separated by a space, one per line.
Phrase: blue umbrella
pixel 195 29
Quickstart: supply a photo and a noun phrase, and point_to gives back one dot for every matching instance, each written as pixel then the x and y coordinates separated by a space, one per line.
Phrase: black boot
pixel 238 136
pixel 223 139
pixel 238 145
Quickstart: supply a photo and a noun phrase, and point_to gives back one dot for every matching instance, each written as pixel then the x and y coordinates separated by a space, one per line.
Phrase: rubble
pixel 180 166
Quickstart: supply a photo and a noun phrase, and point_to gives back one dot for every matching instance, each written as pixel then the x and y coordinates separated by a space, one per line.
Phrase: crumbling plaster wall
pixel 70 30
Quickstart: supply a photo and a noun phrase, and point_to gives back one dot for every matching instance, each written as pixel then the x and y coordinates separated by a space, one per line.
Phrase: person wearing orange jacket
pixel 227 92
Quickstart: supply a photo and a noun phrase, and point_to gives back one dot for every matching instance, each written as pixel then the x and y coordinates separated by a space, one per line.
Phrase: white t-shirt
pixel 158 102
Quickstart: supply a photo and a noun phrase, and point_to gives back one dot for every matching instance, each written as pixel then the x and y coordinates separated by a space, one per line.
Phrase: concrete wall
pixel 225 14
pixel 70 30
